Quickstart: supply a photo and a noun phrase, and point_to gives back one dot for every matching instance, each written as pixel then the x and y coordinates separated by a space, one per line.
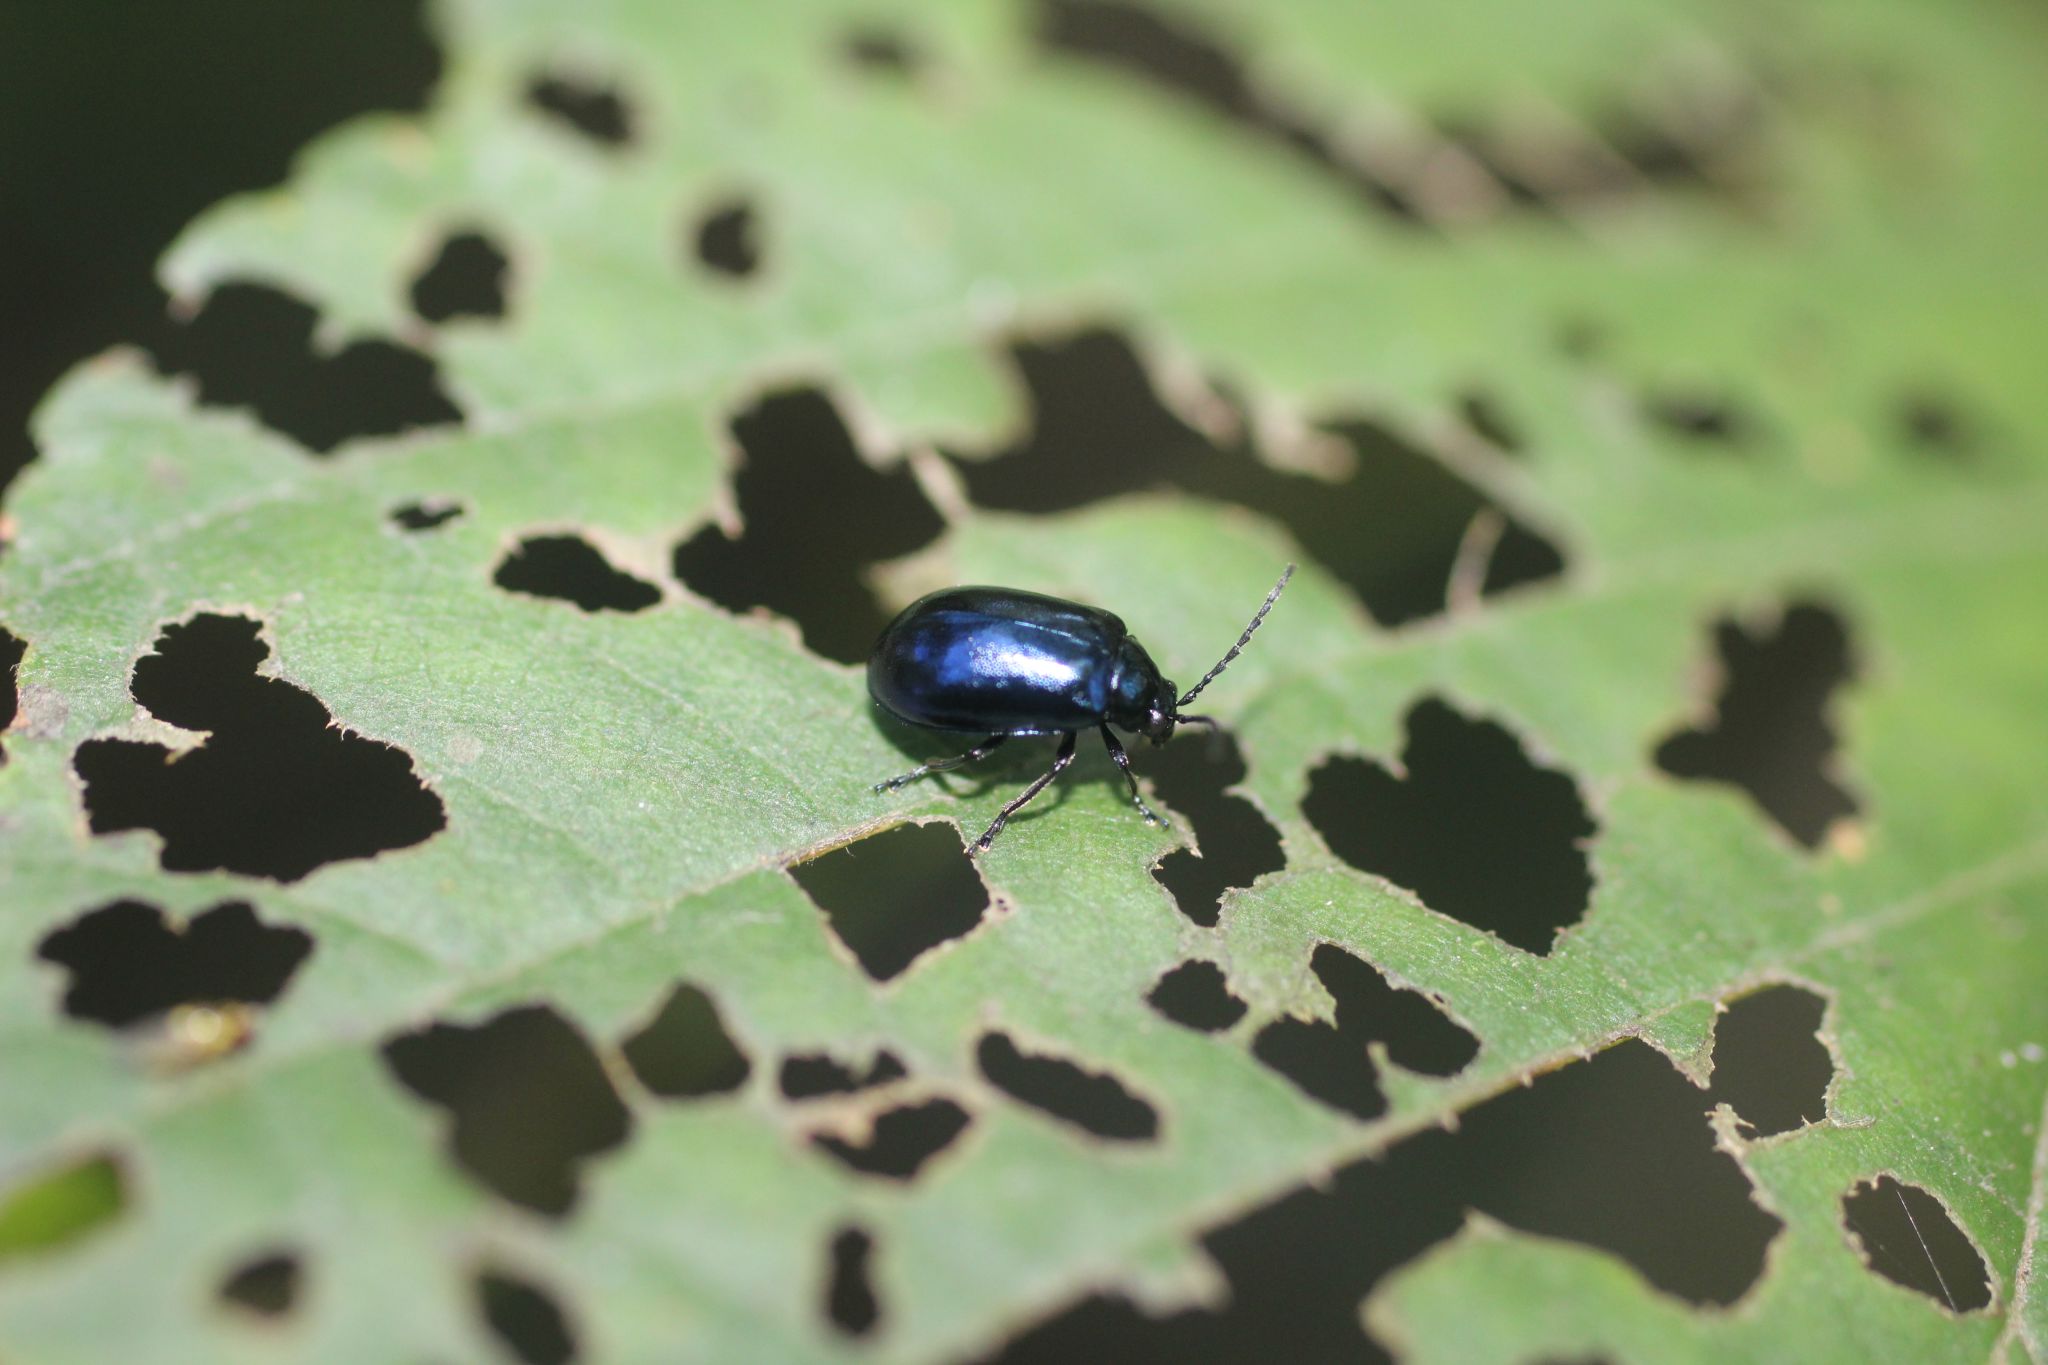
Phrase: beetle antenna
pixel 1242 640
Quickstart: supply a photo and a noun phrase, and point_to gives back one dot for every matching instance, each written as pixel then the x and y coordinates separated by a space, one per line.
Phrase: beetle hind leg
pixel 943 765
pixel 1060 761
pixel 1123 761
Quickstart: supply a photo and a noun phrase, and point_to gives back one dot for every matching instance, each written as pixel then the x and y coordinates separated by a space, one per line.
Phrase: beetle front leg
pixel 1060 761
pixel 943 765
pixel 1123 760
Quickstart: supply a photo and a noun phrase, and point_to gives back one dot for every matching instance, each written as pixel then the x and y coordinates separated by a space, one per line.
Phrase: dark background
pixel 120 120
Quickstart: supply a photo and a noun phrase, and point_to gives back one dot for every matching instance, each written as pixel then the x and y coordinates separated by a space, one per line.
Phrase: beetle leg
pixel 1123 760
pixel 1060 761
pixel 943 765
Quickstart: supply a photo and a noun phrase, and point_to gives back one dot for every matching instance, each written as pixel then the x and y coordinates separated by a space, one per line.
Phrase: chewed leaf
pixel 1619 860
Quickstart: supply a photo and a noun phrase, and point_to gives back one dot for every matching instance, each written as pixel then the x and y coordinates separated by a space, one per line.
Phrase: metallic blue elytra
pixel 1019 663
pixel 1008 664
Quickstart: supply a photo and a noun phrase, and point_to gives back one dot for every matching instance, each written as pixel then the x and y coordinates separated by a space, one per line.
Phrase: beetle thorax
pixel 1139 698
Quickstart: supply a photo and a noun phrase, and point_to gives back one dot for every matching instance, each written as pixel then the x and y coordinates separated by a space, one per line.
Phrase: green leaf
pixel 1845 281
pixel 60 1206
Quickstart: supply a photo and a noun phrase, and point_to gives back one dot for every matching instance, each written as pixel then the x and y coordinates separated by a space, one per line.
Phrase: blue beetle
pixel 1010 664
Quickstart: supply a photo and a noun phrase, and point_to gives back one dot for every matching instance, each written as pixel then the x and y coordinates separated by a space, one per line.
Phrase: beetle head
pixel 1158 726
pixel 1140 699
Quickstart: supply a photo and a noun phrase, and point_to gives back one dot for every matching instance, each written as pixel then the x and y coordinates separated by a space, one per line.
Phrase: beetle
pixel 1010 664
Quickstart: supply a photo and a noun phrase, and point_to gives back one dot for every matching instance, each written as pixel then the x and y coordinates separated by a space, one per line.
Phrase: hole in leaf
pixel 729 239
pixel 525 1318
pixel 1142 40
pixel 265 1285
pixel 1390 528
pixel 1418 1036
pixel 594 110
pixel 1654 152
pixel 1395 530
pixel 1702 418
pixel 1701 140
pixel 1482 413
pixel 1330 1062
pixel 1471 167
pixel 11 652
pixel 1298 1269
pixel 1770 734
pixel 1696 139
pixel 850 1300
pixel 55 1208
pixel 466 280
pixel 901 1140
pixel 1536 172
pixel 1615 1153
pixel 1195 995
pixel 1097 431
pixel 1178 57
pixel 275 791
pixel 816 516
pixel 685 1052
pixel 1906 1235
pixel 1238 844
pixel 527 1097
pixel 1770 1065
pixel 1937 426
pixel 885 51
pixel 128 963
pixel 1093 1101
pixel 570 568
pixel 425 515
pixel 894 895
pixel 251 346
pixel 809 1076
pixel 1474 828
pixel 1324 1064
